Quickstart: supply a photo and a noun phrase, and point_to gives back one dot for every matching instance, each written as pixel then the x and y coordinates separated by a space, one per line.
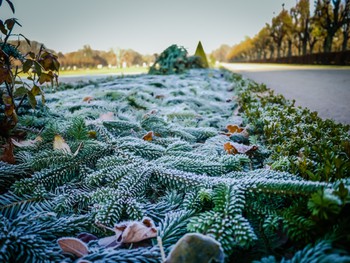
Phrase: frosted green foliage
pixel 77 130
pixel 173 227
pixel 322 251
pixel 141 148
pixel 138 255
pixel 120 128
pixel 182 178
pixel 225 222
pixel 192 165
pixel 10 173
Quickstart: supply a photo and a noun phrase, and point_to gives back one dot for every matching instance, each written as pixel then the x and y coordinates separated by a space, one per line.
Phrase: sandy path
pixel 322 89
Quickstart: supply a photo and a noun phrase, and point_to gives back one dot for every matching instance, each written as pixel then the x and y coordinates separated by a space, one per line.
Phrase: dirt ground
pixel 322 89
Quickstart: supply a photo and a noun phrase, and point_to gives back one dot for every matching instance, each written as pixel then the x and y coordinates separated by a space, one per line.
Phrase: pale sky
pixel 147 26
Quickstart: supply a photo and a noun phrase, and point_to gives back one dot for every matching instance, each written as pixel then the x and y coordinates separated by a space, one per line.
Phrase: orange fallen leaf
pixel 88 99
pixel 74 246
pixel 60 144
pixel 148 136
pixel 234 128
pixel 229 148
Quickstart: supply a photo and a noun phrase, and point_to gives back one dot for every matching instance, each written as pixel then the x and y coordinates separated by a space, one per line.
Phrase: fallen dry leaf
pixel 160 96
pixel 60 144
pixel 234 128
pixel 27 143
pixel 138 231
pixel 229 148
pixel 148 136
pixel 129 232
pixel 73 246
pixel 7 155
pixel 88 99
pixel 234 148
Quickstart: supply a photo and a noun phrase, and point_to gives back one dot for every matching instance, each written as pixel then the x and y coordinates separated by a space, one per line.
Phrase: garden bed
pixel 204 151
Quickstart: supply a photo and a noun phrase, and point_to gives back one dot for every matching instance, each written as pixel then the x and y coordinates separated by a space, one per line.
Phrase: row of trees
pixel 90 58
pixel 296 32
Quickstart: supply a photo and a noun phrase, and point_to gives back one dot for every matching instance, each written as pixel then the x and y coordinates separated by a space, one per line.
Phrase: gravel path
pixel 322 89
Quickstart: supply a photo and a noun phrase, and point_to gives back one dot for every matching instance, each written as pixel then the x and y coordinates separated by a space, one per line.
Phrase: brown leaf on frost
pixel 234 148
pixel 73 246
pixel 137 231
pixel 60 144
pixel 7 154
pixel 88 99
pixel 27 143
pixel 148 136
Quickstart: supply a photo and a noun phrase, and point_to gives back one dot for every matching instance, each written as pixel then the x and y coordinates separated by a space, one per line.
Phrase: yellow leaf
pixel 92 134
pixel 74 246
pixel 60 144
pixel 148 136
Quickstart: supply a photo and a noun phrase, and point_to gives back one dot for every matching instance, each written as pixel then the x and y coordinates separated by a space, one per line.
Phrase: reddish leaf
pixel 5 75
pixel 10 23
pixel 73 246
pixel 2 28
pixel 7 155
pixel 88 99
pixel 49 61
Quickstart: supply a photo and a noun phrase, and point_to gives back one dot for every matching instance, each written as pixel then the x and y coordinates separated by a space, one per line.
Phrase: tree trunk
pixel 304 43
pixel 279 50
pixel 272 51
pixel 289 48
pixel 327 44
pixel 345 40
